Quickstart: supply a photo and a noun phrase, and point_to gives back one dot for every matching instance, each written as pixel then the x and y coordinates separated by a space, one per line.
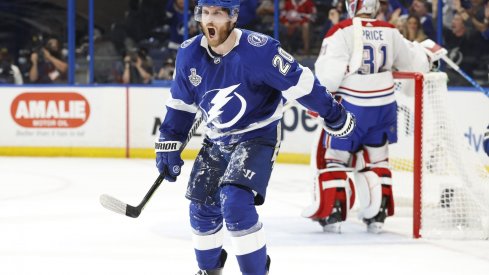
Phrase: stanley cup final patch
pixel 194 78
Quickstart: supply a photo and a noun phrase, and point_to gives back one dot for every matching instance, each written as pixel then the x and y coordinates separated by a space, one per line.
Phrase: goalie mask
pixel 229 11
pixel 355 7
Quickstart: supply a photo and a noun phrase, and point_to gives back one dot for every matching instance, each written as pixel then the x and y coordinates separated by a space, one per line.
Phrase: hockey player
pixel 238 79
pixel 356 62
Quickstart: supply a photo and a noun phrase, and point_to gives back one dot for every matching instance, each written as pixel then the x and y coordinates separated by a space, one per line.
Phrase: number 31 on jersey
pixel 372 55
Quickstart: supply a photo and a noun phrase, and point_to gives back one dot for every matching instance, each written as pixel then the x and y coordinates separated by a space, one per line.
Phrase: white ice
pixel 51 223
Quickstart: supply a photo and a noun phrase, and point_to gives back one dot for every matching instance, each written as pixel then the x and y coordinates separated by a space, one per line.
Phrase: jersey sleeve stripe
pixel 180 105
pixel 303 86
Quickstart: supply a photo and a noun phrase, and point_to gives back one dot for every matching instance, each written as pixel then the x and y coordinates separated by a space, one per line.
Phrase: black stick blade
pixel 118 206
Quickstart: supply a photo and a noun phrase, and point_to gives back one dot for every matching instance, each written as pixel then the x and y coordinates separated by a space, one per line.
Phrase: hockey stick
pixel 120 207
pixel 465 75
pixel 435 52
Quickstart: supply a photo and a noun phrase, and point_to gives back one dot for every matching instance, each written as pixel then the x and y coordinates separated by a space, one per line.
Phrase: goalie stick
pixel 464 74
pixel 120 207
pixel 435 52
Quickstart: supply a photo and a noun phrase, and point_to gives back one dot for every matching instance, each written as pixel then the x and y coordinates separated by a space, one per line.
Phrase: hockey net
pixel 449 183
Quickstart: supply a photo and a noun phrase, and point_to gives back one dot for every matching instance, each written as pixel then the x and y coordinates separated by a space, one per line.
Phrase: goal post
pixel 449 183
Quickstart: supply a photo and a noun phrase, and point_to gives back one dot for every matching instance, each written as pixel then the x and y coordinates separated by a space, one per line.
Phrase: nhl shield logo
pixel 194 78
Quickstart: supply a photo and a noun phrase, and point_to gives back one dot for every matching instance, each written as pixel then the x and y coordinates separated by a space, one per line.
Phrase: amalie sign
pixel 50 110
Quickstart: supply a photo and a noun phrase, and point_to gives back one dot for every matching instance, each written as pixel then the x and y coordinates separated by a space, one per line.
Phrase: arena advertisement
pixel 126 119
pixel 62 117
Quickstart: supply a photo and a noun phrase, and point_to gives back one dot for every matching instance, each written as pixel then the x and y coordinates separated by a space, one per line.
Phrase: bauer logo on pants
pixel 50 110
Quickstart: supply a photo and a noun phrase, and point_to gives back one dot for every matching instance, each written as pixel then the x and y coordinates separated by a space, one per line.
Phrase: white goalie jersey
pixel 358 56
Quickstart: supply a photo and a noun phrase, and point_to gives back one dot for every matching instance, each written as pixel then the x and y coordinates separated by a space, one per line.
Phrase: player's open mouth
pixel 212 32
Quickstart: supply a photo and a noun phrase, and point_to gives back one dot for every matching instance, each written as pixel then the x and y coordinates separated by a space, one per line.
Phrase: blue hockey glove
pixel 168 158
pixel 342 127
pixel 486 141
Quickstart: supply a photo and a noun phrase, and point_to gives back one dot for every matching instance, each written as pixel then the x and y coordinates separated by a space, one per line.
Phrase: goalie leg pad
pixel 385 176
pixel 332 184
pixel 372 185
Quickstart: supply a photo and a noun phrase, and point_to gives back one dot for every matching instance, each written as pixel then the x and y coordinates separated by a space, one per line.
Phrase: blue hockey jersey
pixel 241 93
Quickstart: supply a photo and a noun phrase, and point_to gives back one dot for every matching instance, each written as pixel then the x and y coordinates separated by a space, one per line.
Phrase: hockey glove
pixel 168 158
pixel 342 127
pixel 486 141
pixel 434 52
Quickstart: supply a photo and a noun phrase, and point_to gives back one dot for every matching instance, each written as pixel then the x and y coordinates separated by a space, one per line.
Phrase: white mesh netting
pixel 454 182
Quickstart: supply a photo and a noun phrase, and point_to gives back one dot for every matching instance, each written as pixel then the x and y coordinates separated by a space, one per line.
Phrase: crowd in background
pixel 141 48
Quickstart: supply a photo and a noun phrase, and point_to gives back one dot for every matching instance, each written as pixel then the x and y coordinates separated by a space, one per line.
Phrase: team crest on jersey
pixel 187 42
pixel 225 106
pixel 257 39
pixel 194 78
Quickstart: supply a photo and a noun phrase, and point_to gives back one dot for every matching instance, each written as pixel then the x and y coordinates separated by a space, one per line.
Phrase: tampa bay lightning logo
pixel 222 107
pixel 187 42
pixel 257 39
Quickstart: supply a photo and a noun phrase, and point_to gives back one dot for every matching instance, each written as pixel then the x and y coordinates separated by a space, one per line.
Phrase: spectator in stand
pixel 402 5
pixel 174 14
pixel 47 64
pixel 447 12
pixel 485 30
pixel 9 72
pixel 336 14
pixel 298 14
pixel 473 13
pixel 105 57
pixel 247 14
pixel 400 23
pixel 465 47
pixel 385 11
pixel 265 12
pixel 420 9
pixel 167 70
pixel 138 67
pixel 413 31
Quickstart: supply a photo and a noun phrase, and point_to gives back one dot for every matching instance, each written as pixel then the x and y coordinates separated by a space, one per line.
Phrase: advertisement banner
pixel 63 117
pixel 127 119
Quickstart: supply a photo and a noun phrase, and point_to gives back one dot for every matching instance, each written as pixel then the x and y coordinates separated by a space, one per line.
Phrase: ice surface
pixel 51 222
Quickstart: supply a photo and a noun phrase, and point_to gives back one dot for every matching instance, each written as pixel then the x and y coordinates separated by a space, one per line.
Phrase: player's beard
pixel 217 35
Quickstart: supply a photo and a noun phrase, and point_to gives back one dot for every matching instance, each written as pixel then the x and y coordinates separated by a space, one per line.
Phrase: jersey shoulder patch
pixel 257 39
pixel 187 42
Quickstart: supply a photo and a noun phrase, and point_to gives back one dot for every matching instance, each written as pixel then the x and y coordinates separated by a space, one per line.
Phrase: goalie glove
pixel 168 158
pixel 434 51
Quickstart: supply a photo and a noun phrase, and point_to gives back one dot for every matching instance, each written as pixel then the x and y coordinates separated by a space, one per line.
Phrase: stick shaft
pixel 465 75
pixel 197 121
pixel 117 206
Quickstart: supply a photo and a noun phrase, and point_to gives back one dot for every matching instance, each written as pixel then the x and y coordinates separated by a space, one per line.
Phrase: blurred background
pixel 135 41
